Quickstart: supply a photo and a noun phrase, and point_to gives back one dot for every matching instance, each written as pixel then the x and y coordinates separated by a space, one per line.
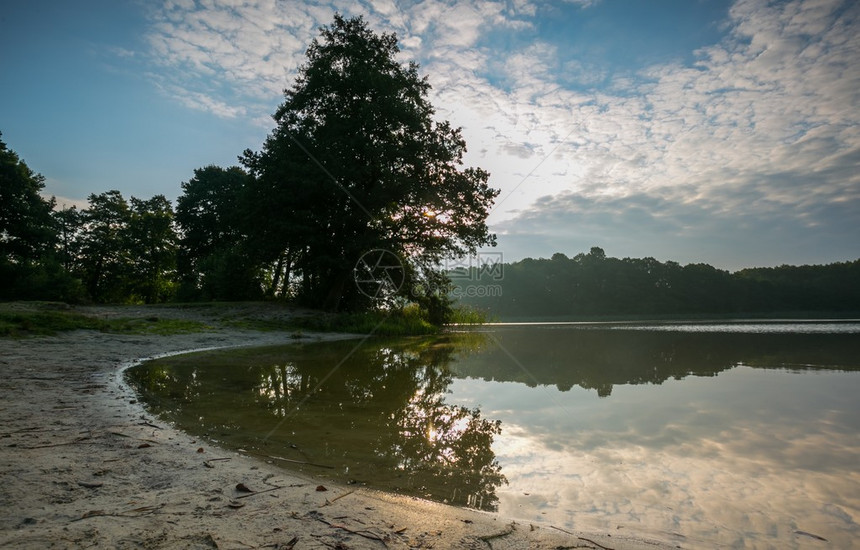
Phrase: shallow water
pixel 736 434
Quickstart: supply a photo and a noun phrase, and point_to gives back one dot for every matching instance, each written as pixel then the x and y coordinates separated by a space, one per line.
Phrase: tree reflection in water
pixel 379 417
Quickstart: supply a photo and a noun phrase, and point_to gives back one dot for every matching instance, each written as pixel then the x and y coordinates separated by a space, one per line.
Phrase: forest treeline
pixel 357 162
pixel 592 284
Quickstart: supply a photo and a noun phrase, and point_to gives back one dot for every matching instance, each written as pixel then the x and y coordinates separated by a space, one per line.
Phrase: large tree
pixel 152 242
pixel 27 231
pixel 105 260
pixel 216 259
pixel 29 268
pixel 358 162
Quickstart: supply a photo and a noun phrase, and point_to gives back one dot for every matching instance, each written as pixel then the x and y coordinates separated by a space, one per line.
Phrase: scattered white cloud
pixel 204 102
pixel 765 128
pixel 764 123
pixel 62 203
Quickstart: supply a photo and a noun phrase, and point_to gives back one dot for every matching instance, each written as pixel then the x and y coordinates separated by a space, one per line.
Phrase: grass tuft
pixel 42 323
pixel 468 315
pixel 19 324
pixel 382 323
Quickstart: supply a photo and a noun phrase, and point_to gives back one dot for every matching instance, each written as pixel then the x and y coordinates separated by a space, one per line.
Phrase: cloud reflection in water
pixel 746 458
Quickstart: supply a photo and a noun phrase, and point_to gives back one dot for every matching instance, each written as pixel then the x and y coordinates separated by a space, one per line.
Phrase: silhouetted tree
pixel 105 260
pixel 27 230
pixel 357 162
pixel 152 243
pixel 29 268
pixel 68 222
pixel 215 259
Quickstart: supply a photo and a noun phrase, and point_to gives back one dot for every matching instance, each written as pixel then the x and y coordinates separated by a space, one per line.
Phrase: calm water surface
pixel 703 434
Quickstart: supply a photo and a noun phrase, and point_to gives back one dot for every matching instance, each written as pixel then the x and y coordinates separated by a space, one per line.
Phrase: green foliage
pixel 152 242
pixel 112 251
pixel 229 274
pixel 27 231
pixel 48 319
pixel 215 260
pixel 32 323
pixel 47 280
pixel 69 223
pixel 356 163
pixel 593 285
pixel 26 228
pixel 105 260
pixel 408 321
pixel 120 251
pixel 468 315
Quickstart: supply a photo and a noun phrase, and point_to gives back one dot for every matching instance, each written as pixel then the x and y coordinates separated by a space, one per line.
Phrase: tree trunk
pixel 273 290
pixel 288 267
pixel 335 293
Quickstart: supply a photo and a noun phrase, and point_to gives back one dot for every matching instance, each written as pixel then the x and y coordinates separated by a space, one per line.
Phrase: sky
pixel 721 132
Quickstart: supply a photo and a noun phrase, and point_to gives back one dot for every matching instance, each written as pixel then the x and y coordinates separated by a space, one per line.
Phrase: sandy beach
pixel 83 464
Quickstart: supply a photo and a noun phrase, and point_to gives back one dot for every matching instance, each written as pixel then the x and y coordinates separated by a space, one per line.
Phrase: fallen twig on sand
pixel 133 513
pixel 511 528
pixel 366 534
pixel 260 492
pixel 327 501
pixel 595 543
pixel 303 462
pixel 90 484
pixel 810 535
pixel 581 538
pixel 120 434
pixel 285 546
pixel 206 462
pixel 29 430
pixel 82 440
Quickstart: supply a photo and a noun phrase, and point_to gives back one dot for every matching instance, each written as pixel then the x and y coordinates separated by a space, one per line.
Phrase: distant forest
pixel 592 284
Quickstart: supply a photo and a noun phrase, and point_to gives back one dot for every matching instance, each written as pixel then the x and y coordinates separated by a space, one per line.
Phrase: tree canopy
pixel 357 162
pixel 216 258
pixel 26 226
pixel 29 268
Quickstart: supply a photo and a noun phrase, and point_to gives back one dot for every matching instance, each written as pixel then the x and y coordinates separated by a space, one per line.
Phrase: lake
pixel 741 434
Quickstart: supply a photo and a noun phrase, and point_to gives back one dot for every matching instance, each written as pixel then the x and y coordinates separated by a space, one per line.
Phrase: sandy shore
pixel 83 465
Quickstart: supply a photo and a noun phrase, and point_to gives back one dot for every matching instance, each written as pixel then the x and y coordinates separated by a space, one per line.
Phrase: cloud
pixel 65 202
pixel 763 124
pixel 761 134
pixel 744 227
pixel 229 58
